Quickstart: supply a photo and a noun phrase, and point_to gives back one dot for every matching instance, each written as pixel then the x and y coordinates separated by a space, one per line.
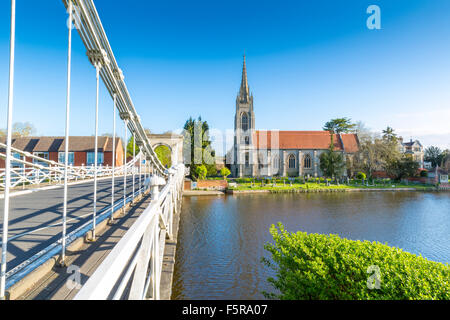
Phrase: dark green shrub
pixel 323 267
pixel 361 176
pixel 424 173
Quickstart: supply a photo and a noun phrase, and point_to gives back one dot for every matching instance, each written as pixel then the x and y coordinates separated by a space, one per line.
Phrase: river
pixel 221 239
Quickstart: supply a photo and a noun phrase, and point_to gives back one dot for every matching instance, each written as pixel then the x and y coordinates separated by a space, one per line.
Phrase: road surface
pixel 44 208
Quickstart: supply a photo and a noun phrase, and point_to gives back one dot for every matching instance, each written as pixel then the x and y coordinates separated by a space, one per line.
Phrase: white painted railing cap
pixel 157 181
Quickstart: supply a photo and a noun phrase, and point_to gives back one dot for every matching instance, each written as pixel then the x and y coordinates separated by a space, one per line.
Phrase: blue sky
pixel 307 61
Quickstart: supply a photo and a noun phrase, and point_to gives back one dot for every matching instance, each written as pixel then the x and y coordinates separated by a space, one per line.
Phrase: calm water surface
pixel 221 239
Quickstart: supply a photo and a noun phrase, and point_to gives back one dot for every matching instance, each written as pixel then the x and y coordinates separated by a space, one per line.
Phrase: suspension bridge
pixel 52 209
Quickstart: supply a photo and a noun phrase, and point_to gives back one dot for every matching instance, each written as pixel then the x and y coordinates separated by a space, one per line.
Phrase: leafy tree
pixel 164 155
pixel 225 172
pixel 327 267
pixel 445 156
pixel 434 155
pixel 197 149
pixel 339 125
pixel 375 154
pixel 20 129
pixel 389 135
pixel 405 167
pixel 201 172
pixel 130 147
pixel 362 131
pixel 332 163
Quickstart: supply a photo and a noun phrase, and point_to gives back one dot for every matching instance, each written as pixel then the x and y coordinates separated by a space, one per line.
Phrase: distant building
pixel 278 153
pixel 81 150
pixel 413 148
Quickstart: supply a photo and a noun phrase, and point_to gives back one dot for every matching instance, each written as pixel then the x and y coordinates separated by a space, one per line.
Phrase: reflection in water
pixel 220 241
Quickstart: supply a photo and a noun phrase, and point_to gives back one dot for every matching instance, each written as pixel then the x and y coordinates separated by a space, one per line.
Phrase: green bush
pixel 424 173
pixel 323 267
pixel 361 176
pixel 201 172
pixel 225 172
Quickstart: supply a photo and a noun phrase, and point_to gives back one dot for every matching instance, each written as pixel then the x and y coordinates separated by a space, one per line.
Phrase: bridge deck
pixel 56 284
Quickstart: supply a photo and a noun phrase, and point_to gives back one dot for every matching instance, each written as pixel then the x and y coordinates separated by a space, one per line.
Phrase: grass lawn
pixel 321 186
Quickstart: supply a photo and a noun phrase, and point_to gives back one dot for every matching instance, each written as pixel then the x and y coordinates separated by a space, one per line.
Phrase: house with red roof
pixel 81 150
pixel 278 153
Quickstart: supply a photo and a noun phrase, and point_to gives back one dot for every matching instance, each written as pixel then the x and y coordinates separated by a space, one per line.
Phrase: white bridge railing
pixel 133 268
pixel 27 173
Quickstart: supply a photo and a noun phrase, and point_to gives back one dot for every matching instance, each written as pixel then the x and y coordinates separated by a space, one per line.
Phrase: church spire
pixel 244 91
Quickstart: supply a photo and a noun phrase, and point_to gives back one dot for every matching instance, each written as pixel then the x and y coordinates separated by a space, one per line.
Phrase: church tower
pixel 244 126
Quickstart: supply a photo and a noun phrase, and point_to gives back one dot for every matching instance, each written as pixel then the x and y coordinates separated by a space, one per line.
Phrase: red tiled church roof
pixel 318 140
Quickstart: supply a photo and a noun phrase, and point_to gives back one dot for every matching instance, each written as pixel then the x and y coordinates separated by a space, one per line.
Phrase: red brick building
pixel 81 150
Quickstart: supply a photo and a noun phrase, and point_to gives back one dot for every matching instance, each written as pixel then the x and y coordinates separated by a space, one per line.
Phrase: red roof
pixel 316 140
pixel 57 144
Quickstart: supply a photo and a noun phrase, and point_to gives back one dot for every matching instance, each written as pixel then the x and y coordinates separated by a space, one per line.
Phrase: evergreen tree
pixel 197 149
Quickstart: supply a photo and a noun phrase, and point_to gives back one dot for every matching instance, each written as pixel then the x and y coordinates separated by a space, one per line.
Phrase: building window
pixel 14 164
pixel 62 158
pixel 247 160
pixel 247 140
pixel 90 158
pixel 276 162
pixel 307 162
pixel 291 161
pixel 43 155
pixel 244 122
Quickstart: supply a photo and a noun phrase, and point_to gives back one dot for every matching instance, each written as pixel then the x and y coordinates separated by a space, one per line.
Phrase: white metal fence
pixel 25 173
pixel 133 268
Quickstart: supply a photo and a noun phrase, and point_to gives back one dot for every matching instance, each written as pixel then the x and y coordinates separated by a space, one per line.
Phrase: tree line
pixel 377 153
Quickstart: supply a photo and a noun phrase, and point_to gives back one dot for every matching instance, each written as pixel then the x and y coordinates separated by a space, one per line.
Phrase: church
pixel 262 153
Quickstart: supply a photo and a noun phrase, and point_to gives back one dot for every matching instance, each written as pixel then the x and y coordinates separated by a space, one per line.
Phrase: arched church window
pixel 276 162
pixel 291 161
pixel 244 122
pixel 247 140
pixel 307 162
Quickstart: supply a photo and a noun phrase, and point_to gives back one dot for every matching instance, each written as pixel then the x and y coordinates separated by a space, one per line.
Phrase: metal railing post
pixel 113 157
pixel 134 165
pixel 66 149
pixel 125 167
pixel 94 217
pixel 140 174
pixel 8 150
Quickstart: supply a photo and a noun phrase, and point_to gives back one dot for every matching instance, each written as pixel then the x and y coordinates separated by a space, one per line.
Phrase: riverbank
pixel 193 193
pixel 322 187
pixel 232 192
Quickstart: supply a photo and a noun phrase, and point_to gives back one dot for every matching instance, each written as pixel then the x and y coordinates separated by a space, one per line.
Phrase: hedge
pixel 327 267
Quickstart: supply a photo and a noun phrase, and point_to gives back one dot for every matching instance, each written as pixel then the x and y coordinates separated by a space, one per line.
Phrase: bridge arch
pixel 170 140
